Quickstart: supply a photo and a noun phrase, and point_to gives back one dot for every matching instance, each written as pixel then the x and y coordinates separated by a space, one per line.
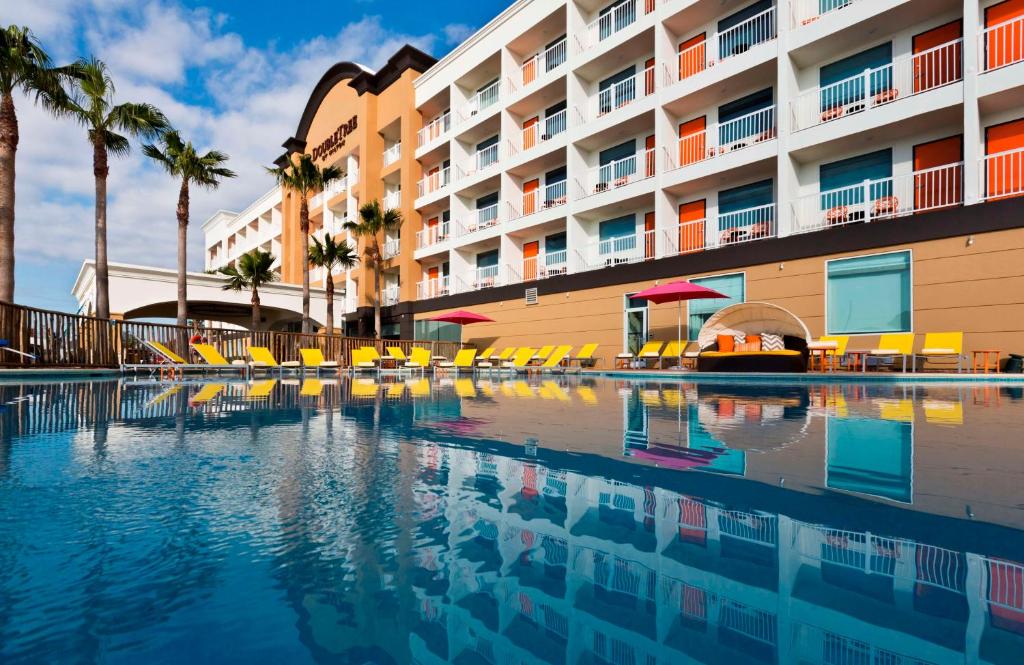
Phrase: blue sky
pixel 233 75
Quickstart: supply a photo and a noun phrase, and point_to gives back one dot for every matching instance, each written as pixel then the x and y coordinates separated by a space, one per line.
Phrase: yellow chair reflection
pixel 941 412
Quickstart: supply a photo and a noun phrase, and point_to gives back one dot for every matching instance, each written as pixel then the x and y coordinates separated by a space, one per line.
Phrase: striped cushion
pixel 772 342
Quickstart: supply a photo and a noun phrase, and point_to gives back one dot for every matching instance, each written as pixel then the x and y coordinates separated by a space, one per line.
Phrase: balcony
pixel 433 182
pixel 805 12
pixel 432 235
pixel 722 46
pixel 612 23
pixel 478 220
pixel 1002 174
pixel 435 287
pixel 1002 44
pixel 545 130
pixel 552 196
pixel 434 130
pixel 724 138
pixel 389 296
pixel 392 248
pixel 540 267
pixel 618 173
pixel 903 77
pixel 542 63
pixel 393 200
pixel 728 229
pixel 621 94
pixel 481 101
pixel 392 154
pixel 480 162
pixel 480 278
pixel 615 251
pixel 872 200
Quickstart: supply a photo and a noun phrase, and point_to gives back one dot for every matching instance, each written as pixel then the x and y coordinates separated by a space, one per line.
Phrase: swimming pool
pixel 573 520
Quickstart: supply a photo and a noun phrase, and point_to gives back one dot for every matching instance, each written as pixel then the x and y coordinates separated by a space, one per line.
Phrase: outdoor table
pixel 986 359
pixel 820 350
pixel 857 359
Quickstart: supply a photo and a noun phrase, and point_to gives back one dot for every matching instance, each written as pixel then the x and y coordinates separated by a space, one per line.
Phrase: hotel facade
pixel 854 161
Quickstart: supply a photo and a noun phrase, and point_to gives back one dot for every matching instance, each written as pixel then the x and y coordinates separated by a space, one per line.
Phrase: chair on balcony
pixel 886 96
pixel 837 215
pixel 832 113
pixel 885 206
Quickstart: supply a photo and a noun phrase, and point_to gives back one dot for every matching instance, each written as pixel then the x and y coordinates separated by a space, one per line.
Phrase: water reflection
pixel 561 521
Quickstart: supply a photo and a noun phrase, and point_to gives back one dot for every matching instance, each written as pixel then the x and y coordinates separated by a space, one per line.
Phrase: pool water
pixel 570 520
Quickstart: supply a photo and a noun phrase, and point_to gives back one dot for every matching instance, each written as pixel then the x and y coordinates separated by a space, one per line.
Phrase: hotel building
pixel 855 161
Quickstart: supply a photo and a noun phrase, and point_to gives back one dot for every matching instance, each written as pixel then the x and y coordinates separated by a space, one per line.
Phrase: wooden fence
pixel 57 339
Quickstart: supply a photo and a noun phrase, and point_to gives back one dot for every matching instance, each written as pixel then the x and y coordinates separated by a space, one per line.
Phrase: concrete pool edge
pixel 827 377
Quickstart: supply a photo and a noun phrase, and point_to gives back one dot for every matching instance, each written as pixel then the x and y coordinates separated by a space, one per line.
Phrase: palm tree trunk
pixel 330 303
pixel 8 148
pixel 182 254
pixel 304 227
pixel 255 309
pixel 376 292
pixel 100 171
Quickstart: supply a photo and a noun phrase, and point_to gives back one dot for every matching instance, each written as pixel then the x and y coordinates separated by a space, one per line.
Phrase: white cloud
pixel 246 102
pixel 456 33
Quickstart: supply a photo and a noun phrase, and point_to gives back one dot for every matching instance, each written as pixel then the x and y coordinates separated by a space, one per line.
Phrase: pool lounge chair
pixel 948 345
pixel 463 361
pixel 690 354
pixel 171 363
pixel 362 362
pixel 891 345
pixel 495 360
pixel 521 360
pixel 261 357
pixel 585 356
pixel 554 362
pixel 370 354
pixel 216 362
pixel 648 351
pixel 485 354
pixel 314 359
pixel 419 359
pixel 543 353
pixel 672 351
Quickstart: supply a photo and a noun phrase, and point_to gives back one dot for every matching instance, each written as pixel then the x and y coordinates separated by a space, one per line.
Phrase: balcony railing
pixel 481 161
pixel 614 251
pixel 724 138
pixel 1002 44
pixel 622 93
pixel 721 46
pixel 726 229
pixel 482 101
pixel 392 247
pixel 927 189
pixel 1002 174
pixel 432 288
pixel 389 296
pixel 542 266
pixel 553 195
pixel 392 154
pixel 901 78
pixel 542 63
pixel 618 173
pixel 478 220
pixel 805 12
pixel 431 235
pixel 393 200
pixel 613 22
pixel 432 182
pixel 480 278
pixel 544 130
pixel 434 130
pixel 333 188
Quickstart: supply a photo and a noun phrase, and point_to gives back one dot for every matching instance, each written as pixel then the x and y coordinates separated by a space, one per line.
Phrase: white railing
pixel 614 21
pixel 1002 44
pixel 901 78
pixel 480 278
pixel 928 189
pixel 544 130
pixel 544 265
pixel 317 200
pixel 482 100
pixel 619 173
pixel 434 130
pixel 552 196
pixel 431 235
pixel 622 93
pixel 392 154
pixel 721 46
pixel 392 248
pixel 542 63
pixel 389 296
pixel 478 220
pixel 727 229
pixel 614 251
pixel 393 200
pixel 432 288
pixel 729 136
pixel 481 161
pixel 434 181
pixel 805 12
pixel 1002 174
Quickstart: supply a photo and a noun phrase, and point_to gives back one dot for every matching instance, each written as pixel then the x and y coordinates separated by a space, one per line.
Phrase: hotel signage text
pixel 335 141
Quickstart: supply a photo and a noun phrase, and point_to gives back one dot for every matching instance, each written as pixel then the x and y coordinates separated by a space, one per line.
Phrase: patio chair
pixel 463 360
pixel 261 357
pixel 314 359
pixel 941 345
pixel 419 359
pixel 648 351
pixel 892 345
pixel 555 361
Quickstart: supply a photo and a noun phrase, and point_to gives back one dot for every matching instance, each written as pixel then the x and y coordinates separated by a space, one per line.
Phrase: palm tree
pixel 92 104
pixel 329 255
pixel 255 269
pixel 373 222
pixel 24 66
pixel 181 160
pixel 305 178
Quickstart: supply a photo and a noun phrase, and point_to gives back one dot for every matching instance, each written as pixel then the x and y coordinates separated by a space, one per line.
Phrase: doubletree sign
pixel 335 141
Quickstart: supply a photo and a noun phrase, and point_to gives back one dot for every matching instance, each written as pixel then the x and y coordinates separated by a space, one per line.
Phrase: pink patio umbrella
pixel 677 292
pixel 461 317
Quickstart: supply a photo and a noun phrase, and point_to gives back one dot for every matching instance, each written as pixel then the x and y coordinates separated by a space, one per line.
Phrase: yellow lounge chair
pixel 505 354
pixel 463 360
pixel 214 360
pixel 941 345
pixel 419 359
pixel 831 347
pixel 262 357
pixel 311 388
pixel 648 351
pixel 465 388
pixel 165 351
pixel 543 352
pixel 521 360
pixel 672 351
pixel 397 354
pixel 555 360
pixel 370 354
pixel 892 345
pixel 261 389
pixel 491 360
pixel 362 361
pixel 207 393
pixel 314 358
pixel 486 353
pixel 585 356
pixel 690 354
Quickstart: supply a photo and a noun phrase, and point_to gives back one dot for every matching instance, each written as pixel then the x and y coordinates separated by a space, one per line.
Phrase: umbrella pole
pixel 679 331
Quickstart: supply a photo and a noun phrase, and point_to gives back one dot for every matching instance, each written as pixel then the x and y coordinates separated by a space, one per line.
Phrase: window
pixel 555 120
pixel 487 259
pixel 869 294
pixel 437 331
pixel 487 208
pixel 746 212
pixel 620 95
pixel 873 58
pixel 753 123
pixel 615 17
pixel 734 42
pixel 846 173
pixel 733 286
pixel 624 158
pixel 555 56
